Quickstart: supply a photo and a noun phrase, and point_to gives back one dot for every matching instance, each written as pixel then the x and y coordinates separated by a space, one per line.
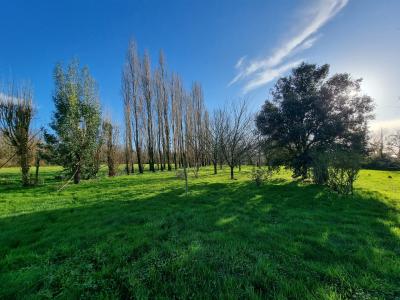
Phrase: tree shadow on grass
pixel 225 240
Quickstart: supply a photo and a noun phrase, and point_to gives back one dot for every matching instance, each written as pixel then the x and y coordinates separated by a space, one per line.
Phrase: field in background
pixel 140 236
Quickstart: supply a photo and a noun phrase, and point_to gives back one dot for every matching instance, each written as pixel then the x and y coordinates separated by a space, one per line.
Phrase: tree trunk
pixel 175 162
pixel 215 168
pixel 139 159
pixel 168 160
pixel 25 168
pixel 137 145
pixel 37 165
pixel 127 164
pixel 132 165
pixel 232 177
pixel 111 166
pixel 77 176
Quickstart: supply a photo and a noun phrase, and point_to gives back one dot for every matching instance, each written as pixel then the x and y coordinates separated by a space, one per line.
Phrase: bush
pixel 195 172
pixel 180 174
pixel 385 163
pixel 319 168
pixel 259 175
pixel 342 171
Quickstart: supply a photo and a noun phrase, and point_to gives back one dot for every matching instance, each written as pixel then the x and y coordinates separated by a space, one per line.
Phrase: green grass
pixel 139 237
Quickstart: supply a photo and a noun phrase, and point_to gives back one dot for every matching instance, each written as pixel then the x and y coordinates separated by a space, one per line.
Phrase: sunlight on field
pixel 139 236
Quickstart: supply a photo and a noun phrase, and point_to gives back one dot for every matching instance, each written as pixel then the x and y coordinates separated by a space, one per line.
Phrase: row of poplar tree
pixel 165 126
pixel 169 127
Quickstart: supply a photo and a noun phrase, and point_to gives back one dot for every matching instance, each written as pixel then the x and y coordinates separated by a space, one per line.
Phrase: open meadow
pixel 140 236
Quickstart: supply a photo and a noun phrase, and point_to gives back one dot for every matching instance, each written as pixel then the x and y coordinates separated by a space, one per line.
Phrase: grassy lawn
pixel 139 236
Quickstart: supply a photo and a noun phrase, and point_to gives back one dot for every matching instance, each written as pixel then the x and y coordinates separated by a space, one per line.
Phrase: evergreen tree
pixel 76 121
pixel 311 113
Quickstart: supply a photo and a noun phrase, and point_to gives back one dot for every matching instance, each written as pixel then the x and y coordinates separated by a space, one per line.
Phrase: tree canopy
pixel 76 121
pixel 311 112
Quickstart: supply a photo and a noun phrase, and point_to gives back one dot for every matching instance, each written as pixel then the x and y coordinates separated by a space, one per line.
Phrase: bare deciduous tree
pixel 127 97
pixel 165 110
pixel 236 137
pixel 147 94
pixel 215 138
pixel 394 144
pixel 137 105
pixel 16 113
pixel 159 99
pixel 176 116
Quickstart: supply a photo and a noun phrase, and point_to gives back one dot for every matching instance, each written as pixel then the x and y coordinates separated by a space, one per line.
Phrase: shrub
pixel 385 163
pixel 343 170
pixel 319 168
pixel 180 174
pixel 195 172
pixel 259 175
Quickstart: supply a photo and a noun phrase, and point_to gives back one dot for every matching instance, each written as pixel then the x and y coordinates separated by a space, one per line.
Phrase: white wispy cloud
pixel 268 75
pixel 240 62
pixel 262 70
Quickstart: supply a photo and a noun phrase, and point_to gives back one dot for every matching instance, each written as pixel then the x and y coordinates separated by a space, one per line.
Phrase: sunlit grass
pixel 139 236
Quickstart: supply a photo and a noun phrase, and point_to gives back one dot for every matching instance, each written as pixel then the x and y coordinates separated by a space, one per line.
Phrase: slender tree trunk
pixel 37 165
pixel 138 148
pixel 175 162
pixel 140 165
pixel 186 175
pixel 215 167
pixel 77 176
pixel 232 177
pixel 127 161
pixel 25 167
pixel 111 167
pixel 130 148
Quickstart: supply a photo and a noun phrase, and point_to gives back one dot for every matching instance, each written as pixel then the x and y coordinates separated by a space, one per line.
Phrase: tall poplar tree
pixel 147 94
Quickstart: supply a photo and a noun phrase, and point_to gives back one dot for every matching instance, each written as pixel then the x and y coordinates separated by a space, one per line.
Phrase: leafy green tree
pixel 76 121
pixel 310 113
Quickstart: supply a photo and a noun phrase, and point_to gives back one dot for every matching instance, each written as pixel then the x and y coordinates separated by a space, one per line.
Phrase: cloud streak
pixel 263 70
pixel 268 75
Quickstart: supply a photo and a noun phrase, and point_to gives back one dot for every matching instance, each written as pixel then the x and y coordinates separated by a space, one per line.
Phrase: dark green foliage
pixel 381 163
pixel 262 174
pixel 338 169
pixel 319 167
pixel 343 168
pixel 76 122
pixel 310 112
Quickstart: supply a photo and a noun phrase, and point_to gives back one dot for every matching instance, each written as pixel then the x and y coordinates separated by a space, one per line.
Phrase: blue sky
pixel 234 48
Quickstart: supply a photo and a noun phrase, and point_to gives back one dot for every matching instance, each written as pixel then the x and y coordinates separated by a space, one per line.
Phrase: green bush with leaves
pixel 343 171
pixel 319 169
pixel 260 175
